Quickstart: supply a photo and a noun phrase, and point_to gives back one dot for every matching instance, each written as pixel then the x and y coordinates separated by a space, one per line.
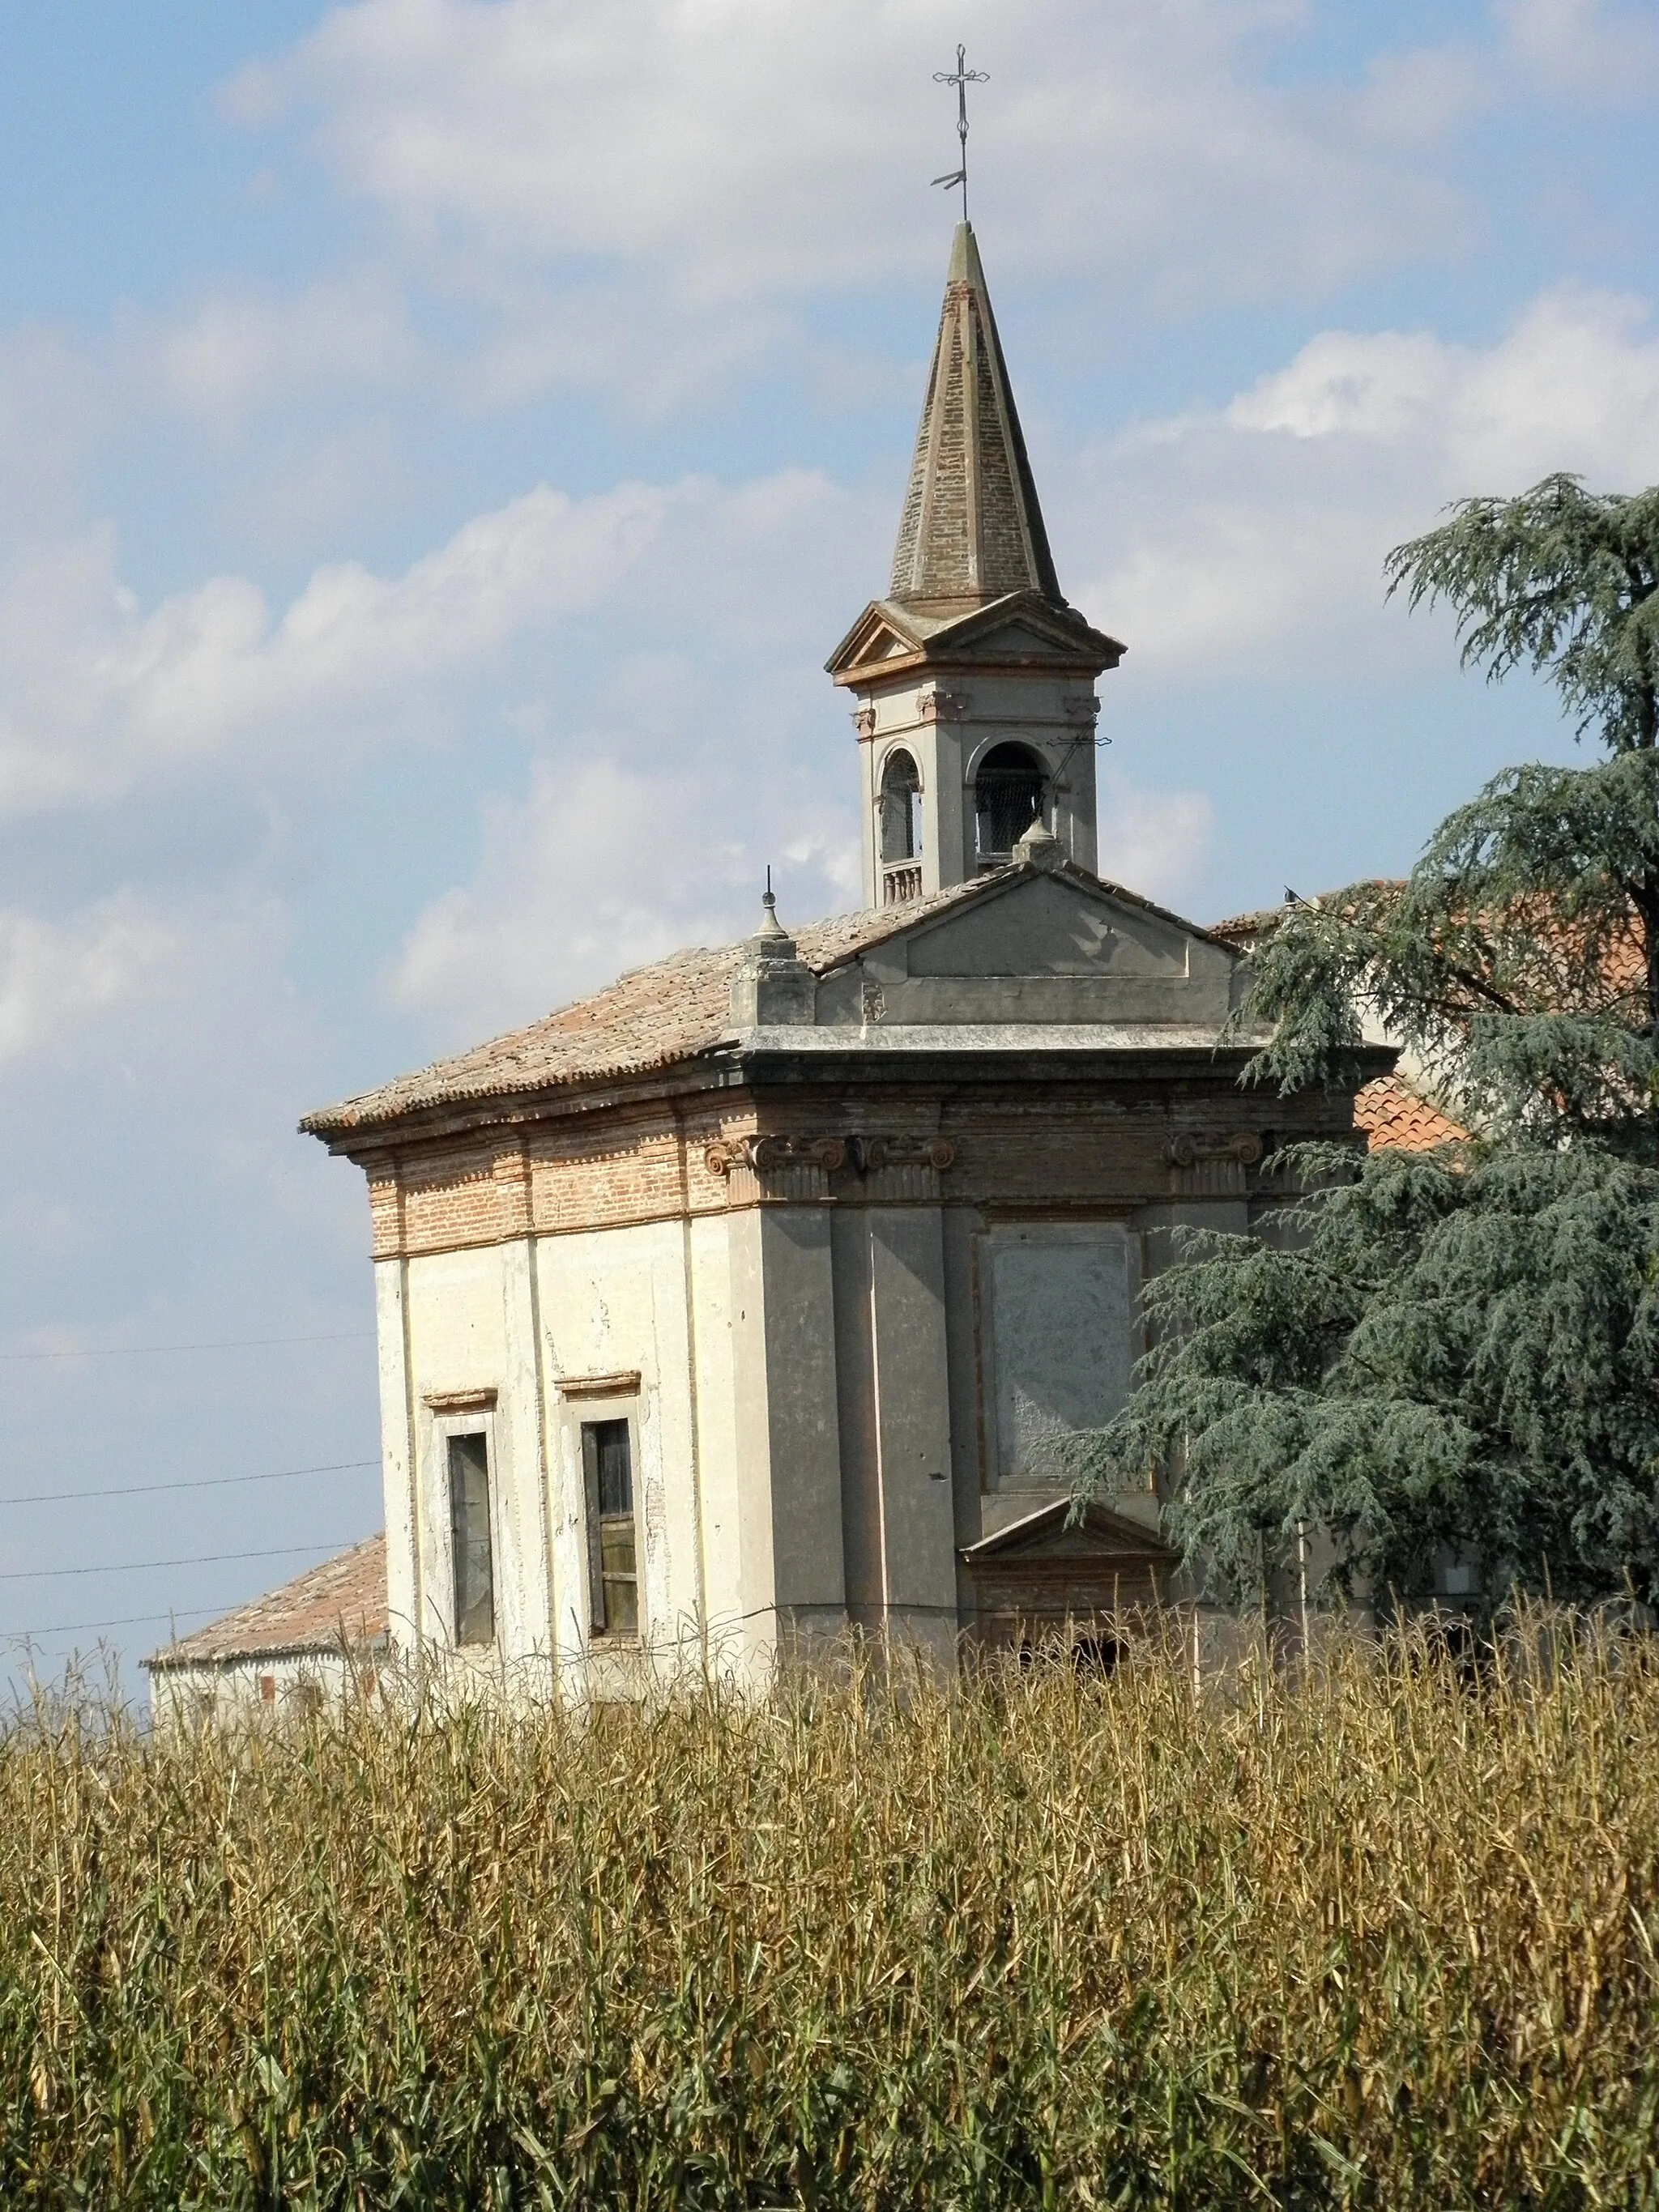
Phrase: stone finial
pixel 772 987
pixel 771 931
pixel 1039 848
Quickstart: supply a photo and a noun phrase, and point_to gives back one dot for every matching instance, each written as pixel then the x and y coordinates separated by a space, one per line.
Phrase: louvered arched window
pixel 901 808
pixel 1008 797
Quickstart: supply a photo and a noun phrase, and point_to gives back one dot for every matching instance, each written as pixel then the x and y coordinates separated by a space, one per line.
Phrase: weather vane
pixel 963 77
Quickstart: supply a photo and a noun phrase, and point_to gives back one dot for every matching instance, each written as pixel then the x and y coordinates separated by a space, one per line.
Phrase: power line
pixel 197 1482
pixel 142 1566
pixel 223 1344
pixel 131 1621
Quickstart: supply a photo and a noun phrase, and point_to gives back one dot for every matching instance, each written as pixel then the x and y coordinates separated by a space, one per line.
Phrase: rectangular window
pixel 469 1545
pixel 608 1473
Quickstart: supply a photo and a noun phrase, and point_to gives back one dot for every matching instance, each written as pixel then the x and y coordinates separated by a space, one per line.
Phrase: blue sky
pixel 440 443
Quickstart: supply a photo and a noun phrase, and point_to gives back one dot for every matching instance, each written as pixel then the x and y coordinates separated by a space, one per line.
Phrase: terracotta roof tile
pixel 651 1019
pixel 1397 1119
pixel 345 1596
pixel 668 1011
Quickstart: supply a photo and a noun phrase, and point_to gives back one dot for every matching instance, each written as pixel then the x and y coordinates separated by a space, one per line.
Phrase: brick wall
pixel 1017 1146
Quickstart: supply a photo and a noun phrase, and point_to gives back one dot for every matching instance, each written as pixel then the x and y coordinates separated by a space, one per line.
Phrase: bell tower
pixel 974 680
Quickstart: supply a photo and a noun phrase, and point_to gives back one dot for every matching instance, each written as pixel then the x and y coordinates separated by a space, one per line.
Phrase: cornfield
pixel 1373 1931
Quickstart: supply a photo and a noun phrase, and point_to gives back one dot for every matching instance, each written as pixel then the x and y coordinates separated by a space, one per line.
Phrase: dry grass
pixel 1373 1938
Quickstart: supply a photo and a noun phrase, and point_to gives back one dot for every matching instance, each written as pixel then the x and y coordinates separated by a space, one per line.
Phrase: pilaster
pixel 398 1463
pixel 792 1578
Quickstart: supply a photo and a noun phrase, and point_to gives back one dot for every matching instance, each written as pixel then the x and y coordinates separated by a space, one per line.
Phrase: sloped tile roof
pixel 1397 1119
pixel 654 1017
pixel 1243 929
pixel 651 1019
pixel 345 1597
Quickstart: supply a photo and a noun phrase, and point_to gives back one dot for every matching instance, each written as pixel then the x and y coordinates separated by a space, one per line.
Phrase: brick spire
pixel 971 530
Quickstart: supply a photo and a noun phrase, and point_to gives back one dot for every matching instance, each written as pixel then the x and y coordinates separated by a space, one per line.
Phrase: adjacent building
pixel 314 1643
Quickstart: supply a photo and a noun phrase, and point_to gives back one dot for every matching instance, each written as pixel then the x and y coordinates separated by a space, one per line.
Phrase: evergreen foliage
pixel 1459 1350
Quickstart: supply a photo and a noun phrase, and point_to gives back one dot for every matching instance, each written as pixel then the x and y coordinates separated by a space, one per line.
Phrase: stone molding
pixel 623 1383
pixel 1212 1163
pixel 894 1167
pixel 872 1154
pixel 937 705
pixel 1190 1148
pixel 762 1154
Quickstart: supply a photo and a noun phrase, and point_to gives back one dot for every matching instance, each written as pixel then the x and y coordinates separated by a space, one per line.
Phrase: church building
pixel 734 1305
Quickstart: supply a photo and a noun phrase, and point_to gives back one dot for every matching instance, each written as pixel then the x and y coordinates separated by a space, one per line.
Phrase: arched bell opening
pixel 1010 793
pixel 901 808
pixel 899 828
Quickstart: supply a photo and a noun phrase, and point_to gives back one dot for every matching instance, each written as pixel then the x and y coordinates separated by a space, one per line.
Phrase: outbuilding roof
pixel 342 1601
pixel 1395 1118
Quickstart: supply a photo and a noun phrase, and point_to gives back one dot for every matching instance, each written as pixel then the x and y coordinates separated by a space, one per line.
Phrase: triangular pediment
pixel 1050 1535
pixel 880 637
pixel 1037 944
pixel 1057 920
pixel 1022 629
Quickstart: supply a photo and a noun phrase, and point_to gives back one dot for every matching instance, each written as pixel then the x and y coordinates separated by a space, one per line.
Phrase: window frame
pixel 448 1432
pixel 1037 765
pixel 589 1417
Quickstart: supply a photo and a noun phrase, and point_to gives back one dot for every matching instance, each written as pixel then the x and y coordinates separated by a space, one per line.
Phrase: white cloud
pixel 55 976
pixel 1597 48
pixel 49 405
pixel 736 147
pixel 598 870
pixel 1157 843
pixel 1574 384
pixel 95 693
pixel 309 494
pixel 1252 539
pixel 1423 97
pixel 612 339
pixel 238 348
pixel 584 878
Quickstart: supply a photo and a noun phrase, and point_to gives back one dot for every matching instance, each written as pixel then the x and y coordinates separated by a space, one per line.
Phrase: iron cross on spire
pixel 962 78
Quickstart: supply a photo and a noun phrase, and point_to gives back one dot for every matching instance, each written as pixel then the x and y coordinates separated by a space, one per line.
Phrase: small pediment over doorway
pixel 1088 1583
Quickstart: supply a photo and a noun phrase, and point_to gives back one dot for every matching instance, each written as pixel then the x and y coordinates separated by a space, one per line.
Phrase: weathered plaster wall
pixel 813 1330
pixel 234 1691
